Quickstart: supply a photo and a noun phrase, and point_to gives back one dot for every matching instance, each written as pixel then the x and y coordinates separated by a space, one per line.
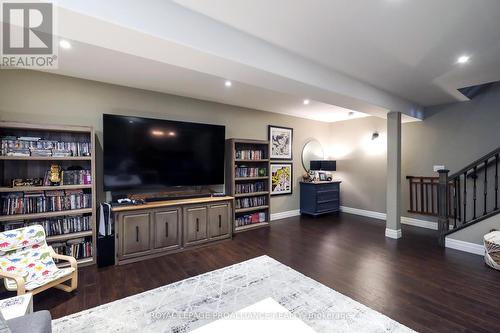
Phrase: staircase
pixel 467 196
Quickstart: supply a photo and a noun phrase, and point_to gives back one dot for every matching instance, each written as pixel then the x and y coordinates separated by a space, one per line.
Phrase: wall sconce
pixel 375 135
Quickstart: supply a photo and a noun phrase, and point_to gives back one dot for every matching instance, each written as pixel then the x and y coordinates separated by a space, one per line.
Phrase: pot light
pixel 228 83
pixel 306 102
pixel 463 59
pixel 64 44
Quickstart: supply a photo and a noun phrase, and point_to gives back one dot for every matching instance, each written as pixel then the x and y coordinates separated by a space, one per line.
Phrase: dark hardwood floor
pixel 412 280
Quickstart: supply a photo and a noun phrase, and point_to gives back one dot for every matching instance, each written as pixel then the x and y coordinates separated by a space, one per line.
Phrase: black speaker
pixel 105 236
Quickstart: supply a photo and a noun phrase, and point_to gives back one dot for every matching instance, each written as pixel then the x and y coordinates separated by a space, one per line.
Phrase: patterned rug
pixel 188 304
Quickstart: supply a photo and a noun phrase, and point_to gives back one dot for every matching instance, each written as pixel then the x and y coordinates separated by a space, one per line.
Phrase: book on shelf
pixel 71 177
pixel 35 146
pixel 247 219
pixel 44 201
pixel 250 154
pixel 250 202
pixel 250 187
pixel 78 248
pixel 242 172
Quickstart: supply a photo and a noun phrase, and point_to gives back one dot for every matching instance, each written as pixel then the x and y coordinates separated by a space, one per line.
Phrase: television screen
pixel 150 154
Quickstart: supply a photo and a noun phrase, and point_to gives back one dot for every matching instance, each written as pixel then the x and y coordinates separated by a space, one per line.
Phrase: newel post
pixel 443 223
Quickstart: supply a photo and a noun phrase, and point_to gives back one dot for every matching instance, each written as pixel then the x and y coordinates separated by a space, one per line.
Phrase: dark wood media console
pixel 158 228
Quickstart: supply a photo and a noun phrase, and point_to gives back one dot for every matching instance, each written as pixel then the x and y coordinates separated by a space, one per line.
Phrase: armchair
pixel 27 262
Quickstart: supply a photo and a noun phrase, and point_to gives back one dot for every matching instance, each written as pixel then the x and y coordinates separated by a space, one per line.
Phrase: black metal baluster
pixel 465 197
pixel 459 208
pixel 485 185
pixel 474 196
pixel 455 204
pixel 496 181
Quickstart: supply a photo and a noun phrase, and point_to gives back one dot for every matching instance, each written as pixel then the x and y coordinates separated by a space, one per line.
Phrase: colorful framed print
pixel 281 178
pixel 280 139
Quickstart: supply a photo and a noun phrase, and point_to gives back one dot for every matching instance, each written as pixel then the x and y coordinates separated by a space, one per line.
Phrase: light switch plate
pixel 438 167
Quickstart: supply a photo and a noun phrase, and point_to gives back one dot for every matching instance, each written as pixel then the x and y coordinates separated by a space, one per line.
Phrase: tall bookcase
pixel 248 181
pixel 26 167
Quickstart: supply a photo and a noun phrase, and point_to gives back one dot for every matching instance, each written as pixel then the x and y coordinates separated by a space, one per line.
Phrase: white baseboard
pixel 285 214
pixel 464 246
pixel 382 216
pixel 391 233
pixel 362 212
pixel 419 223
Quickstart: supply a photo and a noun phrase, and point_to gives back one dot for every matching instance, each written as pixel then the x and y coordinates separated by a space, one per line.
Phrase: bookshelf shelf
pixel 81 262
pixel 251 161
pixel 239 179
pixel 252 194
pixel 247 161
pixel 76 138
pixel 45 158
pixel 17 217
pixel 43 188
pixel 250 209
pixel 72 235
pixel 251 226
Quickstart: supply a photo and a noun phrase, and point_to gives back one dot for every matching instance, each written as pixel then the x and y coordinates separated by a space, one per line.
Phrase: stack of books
pixel 36 146
pixel 41 202
pixel 250 187
pixel 250 202
pixel 250 219
pixel 76 177
pixel 243 171
pixel 249 154
pixel 55 226
pixel 79 248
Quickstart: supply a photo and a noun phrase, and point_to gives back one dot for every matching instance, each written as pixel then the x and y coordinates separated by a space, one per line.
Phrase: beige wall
pixel 40 97
pixel 361 162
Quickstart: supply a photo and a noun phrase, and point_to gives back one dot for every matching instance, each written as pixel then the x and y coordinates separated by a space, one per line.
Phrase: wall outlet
pixel 438 167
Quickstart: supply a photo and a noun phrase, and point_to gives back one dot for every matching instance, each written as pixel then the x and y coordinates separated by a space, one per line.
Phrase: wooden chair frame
pixel 59 283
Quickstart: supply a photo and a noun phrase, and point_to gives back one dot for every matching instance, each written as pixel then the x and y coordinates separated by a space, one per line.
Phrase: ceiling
pixel 405 47
pixel 371 57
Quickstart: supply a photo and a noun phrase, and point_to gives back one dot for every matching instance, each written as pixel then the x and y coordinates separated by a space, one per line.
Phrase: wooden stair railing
pixel 467 196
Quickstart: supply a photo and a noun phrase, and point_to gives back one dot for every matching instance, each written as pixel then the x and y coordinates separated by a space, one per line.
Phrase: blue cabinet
pixel 319 198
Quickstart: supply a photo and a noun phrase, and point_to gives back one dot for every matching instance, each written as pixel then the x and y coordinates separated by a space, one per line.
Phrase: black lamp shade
pixel 323 165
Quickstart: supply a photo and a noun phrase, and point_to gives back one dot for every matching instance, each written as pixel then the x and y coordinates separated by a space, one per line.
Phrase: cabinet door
pixel 135 233
pixel 219 220
pixel 195 225
pixel 167 229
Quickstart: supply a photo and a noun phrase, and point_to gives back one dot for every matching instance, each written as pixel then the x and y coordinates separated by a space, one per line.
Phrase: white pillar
pixel 393 225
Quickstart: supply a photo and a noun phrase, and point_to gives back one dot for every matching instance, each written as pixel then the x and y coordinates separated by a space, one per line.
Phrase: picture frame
pixel 281 142
pixel 322 177
pixel 281 178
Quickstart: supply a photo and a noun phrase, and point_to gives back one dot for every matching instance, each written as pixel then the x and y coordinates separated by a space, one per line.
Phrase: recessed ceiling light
pixel 64 44
pixel 463 59
pixel 306 102
pixel 228 83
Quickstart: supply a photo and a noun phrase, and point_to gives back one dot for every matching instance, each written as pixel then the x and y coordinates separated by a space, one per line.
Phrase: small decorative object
pixel 492 249
pixel 322 177
pixel 281 178
pixel 281 142
pixel 306 178
pixel 18 182
pixel 55 174
pixel 262 172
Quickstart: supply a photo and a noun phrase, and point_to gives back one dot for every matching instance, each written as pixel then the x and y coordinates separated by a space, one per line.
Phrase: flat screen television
pixel 151 154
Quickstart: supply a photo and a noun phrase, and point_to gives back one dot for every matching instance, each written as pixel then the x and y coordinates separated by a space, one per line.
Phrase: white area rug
pixel 188 304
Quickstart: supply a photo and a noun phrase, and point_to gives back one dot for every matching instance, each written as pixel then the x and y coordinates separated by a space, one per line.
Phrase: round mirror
pixel 312 151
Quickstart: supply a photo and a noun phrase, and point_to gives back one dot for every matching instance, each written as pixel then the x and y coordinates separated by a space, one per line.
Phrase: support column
pixel 393 225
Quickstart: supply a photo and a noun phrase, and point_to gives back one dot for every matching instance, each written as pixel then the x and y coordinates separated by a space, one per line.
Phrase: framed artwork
pixel 322 177
pixel 281 178
pixel 280 139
